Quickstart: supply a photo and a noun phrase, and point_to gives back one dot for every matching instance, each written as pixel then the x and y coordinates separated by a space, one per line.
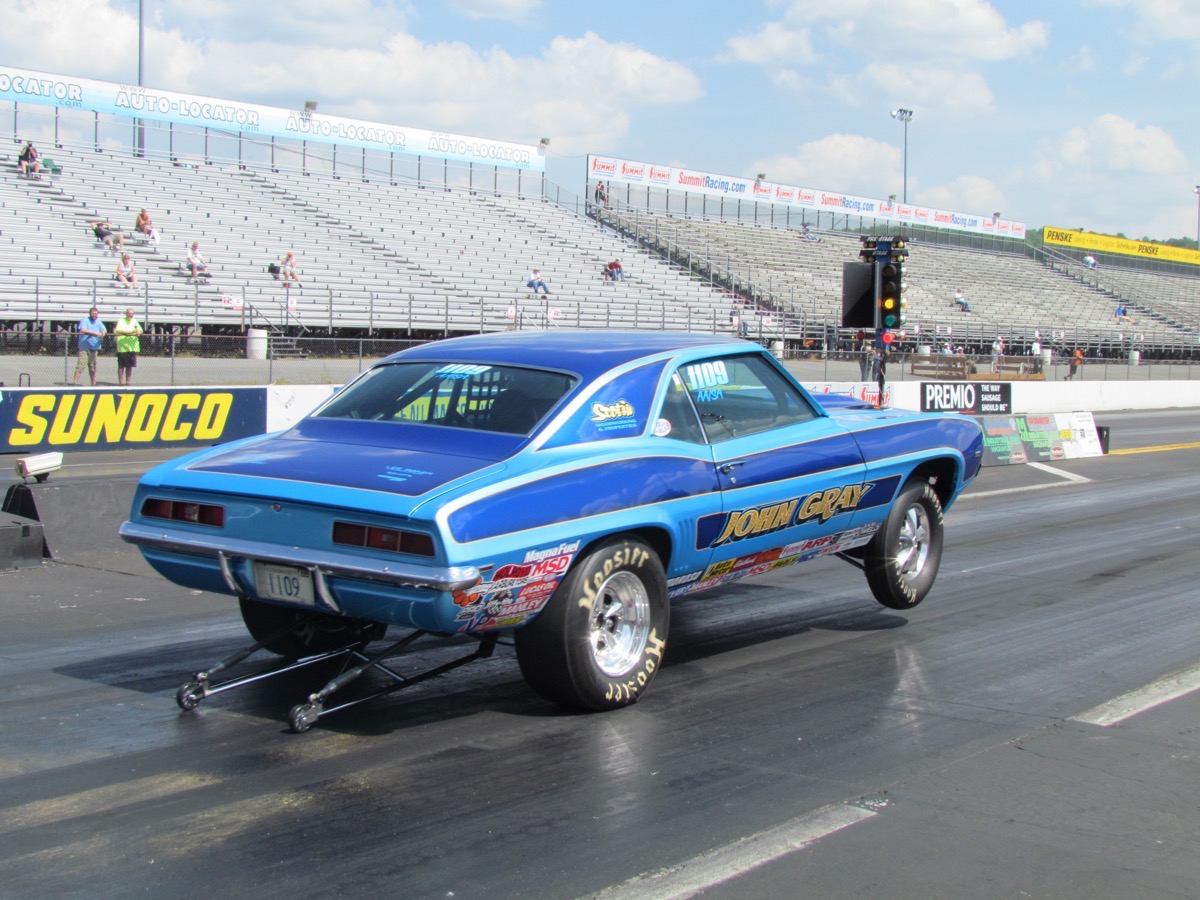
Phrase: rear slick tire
pixel 903 557
pixel 598 642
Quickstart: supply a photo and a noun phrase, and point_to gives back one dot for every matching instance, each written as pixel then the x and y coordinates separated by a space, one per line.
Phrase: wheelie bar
pixel 190 693
pixel 304 715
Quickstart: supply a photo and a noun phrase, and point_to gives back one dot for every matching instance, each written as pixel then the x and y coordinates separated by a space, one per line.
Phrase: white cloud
pixel 929 90
pixel 1162 19
pixel 849 162
pixel 774 44
pixel 1112 146
pixel 966 193
pixel 580 91
pixel 916 29
pixel 511 10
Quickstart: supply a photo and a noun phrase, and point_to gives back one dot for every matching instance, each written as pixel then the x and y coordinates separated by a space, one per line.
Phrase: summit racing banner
pixel 33 420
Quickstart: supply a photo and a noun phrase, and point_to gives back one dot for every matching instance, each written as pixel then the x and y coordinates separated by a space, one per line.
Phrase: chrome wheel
pixel 912 545
pixel 620 624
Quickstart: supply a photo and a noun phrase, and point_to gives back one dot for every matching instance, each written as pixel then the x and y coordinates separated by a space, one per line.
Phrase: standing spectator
pixel 196 261
pixel 1035 350
pixel 881 372
pixel 1076 362
pixel 91 337
pixel 128 332
pixel 615 272
pixel 997 352
pixel 28 163
pixel 287 270
pixel 143 225
pixel 104 234
pixel 737 318
pixel 537 281
pixel 126 275
pixel 601 194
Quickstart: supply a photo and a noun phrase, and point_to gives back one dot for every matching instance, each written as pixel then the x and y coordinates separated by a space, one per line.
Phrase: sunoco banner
pixel 34 420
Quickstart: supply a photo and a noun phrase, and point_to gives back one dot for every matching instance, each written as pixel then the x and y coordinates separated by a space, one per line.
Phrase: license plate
pixel 284 583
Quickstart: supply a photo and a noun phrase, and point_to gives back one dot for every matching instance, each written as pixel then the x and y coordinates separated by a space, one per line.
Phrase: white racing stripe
pixel 724 863
pixel 1154 694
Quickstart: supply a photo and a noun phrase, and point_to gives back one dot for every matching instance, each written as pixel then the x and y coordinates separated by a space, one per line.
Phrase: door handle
pixel 728 467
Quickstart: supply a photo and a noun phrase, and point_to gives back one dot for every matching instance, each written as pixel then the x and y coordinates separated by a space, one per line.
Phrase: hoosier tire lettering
pixel 602 636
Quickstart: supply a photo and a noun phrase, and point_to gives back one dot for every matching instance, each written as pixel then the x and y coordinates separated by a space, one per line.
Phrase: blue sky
pixel 1074 113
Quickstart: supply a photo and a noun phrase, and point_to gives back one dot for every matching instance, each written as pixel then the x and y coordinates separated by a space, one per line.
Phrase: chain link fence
pixel 49 359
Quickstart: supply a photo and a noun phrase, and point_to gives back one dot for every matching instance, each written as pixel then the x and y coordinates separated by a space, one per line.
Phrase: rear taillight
pixel 183 511
pixel 392 540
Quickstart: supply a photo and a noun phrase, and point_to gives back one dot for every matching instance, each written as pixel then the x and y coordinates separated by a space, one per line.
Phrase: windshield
pixel 503 399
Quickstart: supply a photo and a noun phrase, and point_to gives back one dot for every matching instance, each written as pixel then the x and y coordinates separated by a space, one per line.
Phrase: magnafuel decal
pixel 59 419
pixel 517 591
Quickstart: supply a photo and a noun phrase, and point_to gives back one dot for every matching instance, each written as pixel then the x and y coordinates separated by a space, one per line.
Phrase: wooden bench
pixel 953 367
pixel 1012 368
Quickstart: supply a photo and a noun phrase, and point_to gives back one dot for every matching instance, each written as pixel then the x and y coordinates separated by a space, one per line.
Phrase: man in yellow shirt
pixel 128 332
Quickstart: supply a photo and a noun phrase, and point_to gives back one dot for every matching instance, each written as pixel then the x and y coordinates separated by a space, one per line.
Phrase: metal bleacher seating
pixel 418 259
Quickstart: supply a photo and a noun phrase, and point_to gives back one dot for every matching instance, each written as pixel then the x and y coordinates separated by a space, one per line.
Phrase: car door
pixel 790 476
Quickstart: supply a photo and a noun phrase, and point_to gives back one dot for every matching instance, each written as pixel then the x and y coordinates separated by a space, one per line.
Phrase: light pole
pixel 905 116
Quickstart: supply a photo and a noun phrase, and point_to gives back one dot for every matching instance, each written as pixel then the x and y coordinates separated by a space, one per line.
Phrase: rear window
pixel 480 397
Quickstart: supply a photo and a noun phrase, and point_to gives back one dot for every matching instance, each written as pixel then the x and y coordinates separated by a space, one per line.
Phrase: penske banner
pixel 33 420
pixel 1085 240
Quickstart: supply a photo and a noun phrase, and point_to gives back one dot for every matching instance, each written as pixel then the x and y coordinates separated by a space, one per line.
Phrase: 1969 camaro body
pixel 563 485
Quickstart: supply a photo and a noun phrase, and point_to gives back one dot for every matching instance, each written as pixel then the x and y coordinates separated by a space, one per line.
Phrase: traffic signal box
pixel 873 289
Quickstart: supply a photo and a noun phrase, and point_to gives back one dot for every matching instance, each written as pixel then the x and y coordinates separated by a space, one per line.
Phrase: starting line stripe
pixel 1154 694
pixel 1161 448
pixel 724 863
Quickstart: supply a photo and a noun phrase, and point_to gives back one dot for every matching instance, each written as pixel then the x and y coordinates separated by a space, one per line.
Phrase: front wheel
pixel 902 559
pixel 602 636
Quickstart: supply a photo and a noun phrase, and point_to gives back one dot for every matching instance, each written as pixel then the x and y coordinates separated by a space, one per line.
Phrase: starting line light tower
pixel 873 288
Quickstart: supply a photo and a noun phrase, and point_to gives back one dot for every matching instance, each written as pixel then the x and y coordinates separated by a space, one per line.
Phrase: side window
pixel 741 395
pixel 678 417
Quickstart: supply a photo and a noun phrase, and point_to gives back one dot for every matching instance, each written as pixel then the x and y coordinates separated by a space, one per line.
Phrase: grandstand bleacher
pixel 406 259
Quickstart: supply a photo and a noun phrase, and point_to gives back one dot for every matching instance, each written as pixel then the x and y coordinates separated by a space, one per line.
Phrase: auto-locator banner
pixel 37 420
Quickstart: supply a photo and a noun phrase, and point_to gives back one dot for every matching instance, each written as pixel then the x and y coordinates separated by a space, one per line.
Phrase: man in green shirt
pixel 128 346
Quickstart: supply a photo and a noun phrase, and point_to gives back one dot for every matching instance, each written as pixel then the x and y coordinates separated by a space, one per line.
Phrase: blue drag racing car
pixel 559 486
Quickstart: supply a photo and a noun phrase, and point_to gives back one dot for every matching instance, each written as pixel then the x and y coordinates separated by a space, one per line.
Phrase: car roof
pixel 587 352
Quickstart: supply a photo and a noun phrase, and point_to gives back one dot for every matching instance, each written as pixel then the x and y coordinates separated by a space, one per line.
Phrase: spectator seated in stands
pixel 196 263
pixel 1090 261
pixel 142 225
pixel 28 163
pixel 807 234
pixel 615 272
pixel 115 242
pixel 962 301
pixel 537 281
pixel 287 270
pixel 126 275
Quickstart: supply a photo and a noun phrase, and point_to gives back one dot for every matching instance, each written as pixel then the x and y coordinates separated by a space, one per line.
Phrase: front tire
pixel 601 638
pixel 903 557
pixel 312 632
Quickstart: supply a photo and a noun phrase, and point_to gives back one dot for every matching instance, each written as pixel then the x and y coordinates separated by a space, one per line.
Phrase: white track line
pixel 1144 698
pixel 724 863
